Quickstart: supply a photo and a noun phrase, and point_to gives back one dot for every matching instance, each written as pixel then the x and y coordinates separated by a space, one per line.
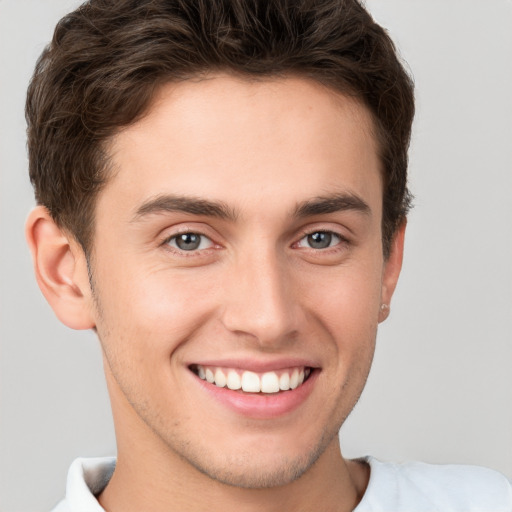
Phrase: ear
pixel 391 271
pixel 61 270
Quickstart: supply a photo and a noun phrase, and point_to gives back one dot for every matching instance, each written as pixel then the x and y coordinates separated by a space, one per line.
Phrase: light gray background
pixel 441 387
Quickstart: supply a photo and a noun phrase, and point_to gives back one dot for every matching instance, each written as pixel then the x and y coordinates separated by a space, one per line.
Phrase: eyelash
pixel 342 240
pixel 183 253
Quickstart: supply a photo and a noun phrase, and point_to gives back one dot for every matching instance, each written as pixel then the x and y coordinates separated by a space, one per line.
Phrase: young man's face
pixel 240 237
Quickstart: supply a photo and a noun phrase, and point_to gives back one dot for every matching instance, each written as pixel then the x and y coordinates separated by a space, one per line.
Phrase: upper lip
pixel 256 365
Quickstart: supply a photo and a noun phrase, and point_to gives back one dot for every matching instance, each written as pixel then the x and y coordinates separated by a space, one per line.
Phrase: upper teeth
pixel 268 382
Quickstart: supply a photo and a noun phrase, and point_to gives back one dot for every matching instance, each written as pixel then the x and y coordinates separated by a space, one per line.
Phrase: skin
pixel 254 290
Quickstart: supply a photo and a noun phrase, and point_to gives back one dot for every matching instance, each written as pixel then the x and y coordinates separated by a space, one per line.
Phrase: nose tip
pixel 261 304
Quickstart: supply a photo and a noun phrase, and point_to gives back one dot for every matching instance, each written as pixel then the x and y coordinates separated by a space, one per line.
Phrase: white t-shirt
pixel 409 487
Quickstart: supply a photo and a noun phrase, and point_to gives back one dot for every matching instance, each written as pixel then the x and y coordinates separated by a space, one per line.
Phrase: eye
pixel 189 242
pixel 320 240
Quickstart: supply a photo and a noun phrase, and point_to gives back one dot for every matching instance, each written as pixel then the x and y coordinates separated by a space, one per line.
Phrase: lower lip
pixel 261 405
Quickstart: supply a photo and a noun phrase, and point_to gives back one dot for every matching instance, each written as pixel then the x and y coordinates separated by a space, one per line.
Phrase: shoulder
pixel 420 487
pixel 86 478
pixel 62 506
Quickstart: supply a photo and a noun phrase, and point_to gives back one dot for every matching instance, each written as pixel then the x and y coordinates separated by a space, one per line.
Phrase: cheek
pixel 150 313
pixel 143 322
pixel 347 299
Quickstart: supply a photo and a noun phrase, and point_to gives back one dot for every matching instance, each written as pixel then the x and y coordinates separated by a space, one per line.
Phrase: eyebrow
pixel 194 206
pixel 332 203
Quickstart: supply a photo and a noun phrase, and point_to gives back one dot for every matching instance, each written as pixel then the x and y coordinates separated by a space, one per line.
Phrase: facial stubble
pixel 237 471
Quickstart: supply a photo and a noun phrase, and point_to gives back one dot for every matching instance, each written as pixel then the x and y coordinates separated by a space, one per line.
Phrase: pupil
pixel 320 240
pixel 188 241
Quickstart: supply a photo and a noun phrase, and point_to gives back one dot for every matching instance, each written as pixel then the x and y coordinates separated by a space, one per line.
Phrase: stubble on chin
pixel 245 471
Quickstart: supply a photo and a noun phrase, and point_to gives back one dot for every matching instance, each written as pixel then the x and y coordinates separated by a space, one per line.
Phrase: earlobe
pixel 61 270
pixel 391 272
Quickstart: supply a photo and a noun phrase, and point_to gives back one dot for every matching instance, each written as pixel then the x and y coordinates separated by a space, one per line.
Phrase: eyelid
pixel 172 233
pixel 339 237
pixel 183 228
pixel 198 249
pixel 322 229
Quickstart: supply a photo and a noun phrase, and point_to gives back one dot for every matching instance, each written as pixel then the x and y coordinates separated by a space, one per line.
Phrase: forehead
pixel 246 143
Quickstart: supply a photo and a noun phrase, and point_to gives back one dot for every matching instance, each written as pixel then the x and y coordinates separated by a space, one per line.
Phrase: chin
pixel 261 470
pixel 256 475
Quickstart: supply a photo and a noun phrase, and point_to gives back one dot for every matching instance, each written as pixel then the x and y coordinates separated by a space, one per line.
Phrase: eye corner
pixel 188 242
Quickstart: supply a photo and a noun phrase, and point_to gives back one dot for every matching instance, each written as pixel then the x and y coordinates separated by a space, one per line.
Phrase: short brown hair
pixel 107 59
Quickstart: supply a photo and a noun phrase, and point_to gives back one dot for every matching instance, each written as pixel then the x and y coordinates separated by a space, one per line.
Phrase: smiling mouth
pixel 252 382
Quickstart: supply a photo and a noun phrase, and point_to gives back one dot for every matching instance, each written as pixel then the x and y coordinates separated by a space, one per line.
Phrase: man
pixel 222 191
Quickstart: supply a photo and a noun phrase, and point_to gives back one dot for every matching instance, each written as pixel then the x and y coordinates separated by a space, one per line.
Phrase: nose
pixel 260 300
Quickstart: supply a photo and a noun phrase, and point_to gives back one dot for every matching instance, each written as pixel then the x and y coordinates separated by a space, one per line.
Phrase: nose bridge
pixel 261 302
